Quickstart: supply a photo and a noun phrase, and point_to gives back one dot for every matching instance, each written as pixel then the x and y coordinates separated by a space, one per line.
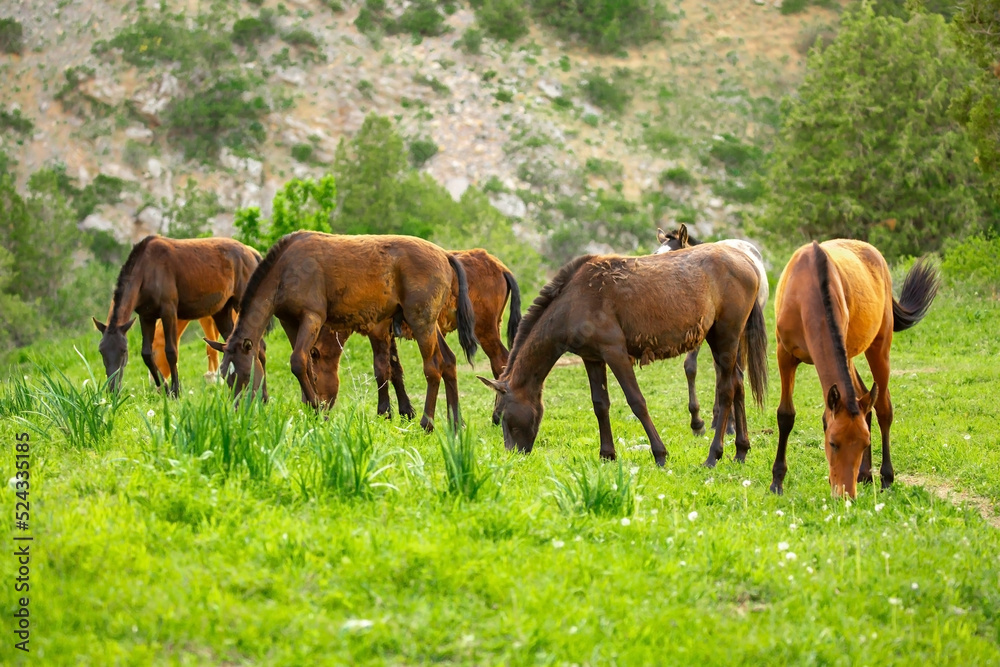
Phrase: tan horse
pixel 160 344
pixel 491 284
pixel 356 283
pixel 169 280
pixel 833 302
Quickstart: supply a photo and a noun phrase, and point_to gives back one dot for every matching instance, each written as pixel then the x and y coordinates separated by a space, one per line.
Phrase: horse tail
pixel 919 289
pixel 755 337
pixel 515 307
pixel 465 315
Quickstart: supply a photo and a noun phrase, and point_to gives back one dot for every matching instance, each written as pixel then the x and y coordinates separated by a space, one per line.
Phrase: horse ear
pixel 215 345
pixel 247 344
pixel 498 386
pixel 868 400
pixel 833 399
pixel 100 326
pixel 661 236
pixel 128 326
pixel 682 235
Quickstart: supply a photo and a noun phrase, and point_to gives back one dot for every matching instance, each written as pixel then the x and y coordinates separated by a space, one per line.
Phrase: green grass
pixel 337 541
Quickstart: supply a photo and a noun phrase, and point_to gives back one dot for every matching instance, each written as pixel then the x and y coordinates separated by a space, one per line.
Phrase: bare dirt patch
pixel 946 491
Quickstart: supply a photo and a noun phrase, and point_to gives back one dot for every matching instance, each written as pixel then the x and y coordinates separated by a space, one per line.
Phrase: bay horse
pixel 675 240
pixel 355 283
pixel 170 279
pixel 491 286
pixel 833 302
pixel 617 311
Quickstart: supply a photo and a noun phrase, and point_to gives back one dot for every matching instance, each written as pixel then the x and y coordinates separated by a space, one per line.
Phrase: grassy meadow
pixel 183 532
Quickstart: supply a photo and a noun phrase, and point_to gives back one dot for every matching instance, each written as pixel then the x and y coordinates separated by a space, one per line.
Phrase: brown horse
pixel 833 302
pixel 355 283
pixel 169 279
pixel 676 240
pixel 160 353
pixel 616 311
pixel 490 285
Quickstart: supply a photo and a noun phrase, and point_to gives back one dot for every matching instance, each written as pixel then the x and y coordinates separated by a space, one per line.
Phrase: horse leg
pixel 597 373
pixel 787 364
pixel 159 354
pixel 878 360
pixel 731 424
pixel 308 331
pixel 621 366
pixel 396 375
pixel 428 344
pixel 495 351
pixel 691 371
pixel 170 337
pixel 724 395
pixel 865 471
pixel 380 364
pixel 148 328
pixel 223 322
pixel 211 333
pixel 739 416
pixel 449 373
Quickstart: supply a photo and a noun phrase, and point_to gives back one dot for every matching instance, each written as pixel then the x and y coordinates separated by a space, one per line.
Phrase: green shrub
pixel 422 150
pixel 302 152
pixel 250 30
pixel 608 169
pixel 420 19
pixel 604 25
pixel 660 137
pixel 366 88
pixel 797 6
pixel 220 115
pixel 301 37
pixel 677 176
pixel 504 96
pixel 432 82
pixel 165 38
pixel 14 120
pixel 300 204
pixel 503 19
pixel 190 215
pixel 611 94
pixel 471 41
pixel 974 262
pixel 11 36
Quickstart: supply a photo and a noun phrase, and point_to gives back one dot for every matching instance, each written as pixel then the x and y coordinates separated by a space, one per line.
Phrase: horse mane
pixel 265 266
pixel 839 351
pixel 125 274
pixel 693 241
pixel 548 294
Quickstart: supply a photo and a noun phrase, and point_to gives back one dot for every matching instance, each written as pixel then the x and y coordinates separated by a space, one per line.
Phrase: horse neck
pixel 129 300
pixel 534 361
pixel 253 319
pixel 829 367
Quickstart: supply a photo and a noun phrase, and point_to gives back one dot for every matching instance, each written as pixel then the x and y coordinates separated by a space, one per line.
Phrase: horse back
pixel 201 275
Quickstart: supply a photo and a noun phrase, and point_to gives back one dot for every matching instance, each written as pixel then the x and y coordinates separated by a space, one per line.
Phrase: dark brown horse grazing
pixel 169 279
pixel 616 311
pixel 676 240
pixel 490 285
pixel 355 283
pixel 833 302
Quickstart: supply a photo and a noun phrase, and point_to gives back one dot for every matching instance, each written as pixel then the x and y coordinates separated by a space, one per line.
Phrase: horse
pixel 170 279
pixel 491 285
pixel 833 302
pixel 355 283
pixel 159 347
pixel 676 240
pixel 617 311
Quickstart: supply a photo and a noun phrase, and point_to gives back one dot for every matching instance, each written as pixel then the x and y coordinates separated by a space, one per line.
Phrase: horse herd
pixel 833 302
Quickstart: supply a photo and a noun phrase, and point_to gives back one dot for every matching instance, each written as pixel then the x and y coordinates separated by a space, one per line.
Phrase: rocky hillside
pixel 536 122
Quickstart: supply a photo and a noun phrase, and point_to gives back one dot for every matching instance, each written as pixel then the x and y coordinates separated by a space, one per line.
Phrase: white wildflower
pixel 914 586
pixel 746 483
pixel 625 521
pixel 779 513
pixel 558 544
pixel 692 515
pixel 150 414
pixel 895 602
pixel 790 556
pixel 879 506
pixel 782 546
pixel 357 624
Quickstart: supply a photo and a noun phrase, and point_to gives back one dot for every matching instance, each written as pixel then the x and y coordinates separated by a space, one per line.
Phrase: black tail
pixel 755 335
pixel 919 289
pixel 515 307
pixel 466 318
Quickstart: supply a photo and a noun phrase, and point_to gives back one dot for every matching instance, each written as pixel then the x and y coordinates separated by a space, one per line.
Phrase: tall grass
pixel 85 415
pixel 342 462
pixel 227 440
pixel 601 489
pixel 15 395
pixel 465 476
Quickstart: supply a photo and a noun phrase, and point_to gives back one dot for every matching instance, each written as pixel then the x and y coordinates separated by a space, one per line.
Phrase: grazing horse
pixel 354 283
pixel 676 240
pixel 617 311
pixel 169 280
pixel 833 302
pixel 491 284
pixel 160 354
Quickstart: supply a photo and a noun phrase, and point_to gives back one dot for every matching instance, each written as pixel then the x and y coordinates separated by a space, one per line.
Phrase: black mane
pixel 545 297
pixel 125 274
pixel 265 266
pixel 839 351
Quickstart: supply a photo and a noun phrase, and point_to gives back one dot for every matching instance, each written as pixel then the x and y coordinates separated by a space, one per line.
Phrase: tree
pixel 301 204
pixel 868 149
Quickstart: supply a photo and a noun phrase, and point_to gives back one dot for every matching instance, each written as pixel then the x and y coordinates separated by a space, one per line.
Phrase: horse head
pixel 241 365
pixel 673 240
pixel 520 416
pixel 846 436
pixel 114 349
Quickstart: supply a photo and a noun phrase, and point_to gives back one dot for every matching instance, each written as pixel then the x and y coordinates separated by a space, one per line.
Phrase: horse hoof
pixel 741 457
pixel 710 462
pixel 730 430
pixel 886 483
pixel 407 414
pixel 211 377
pixel 427 424
pixel 661 461
pixel 777 489
pixel 864 479
pixel 698 431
